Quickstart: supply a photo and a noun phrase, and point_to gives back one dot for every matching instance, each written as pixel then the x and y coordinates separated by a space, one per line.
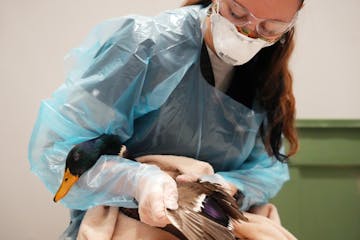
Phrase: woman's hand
pixel 260 228
pixel 267 210
pixel 185 169
pixel 155 192
pixel 158 191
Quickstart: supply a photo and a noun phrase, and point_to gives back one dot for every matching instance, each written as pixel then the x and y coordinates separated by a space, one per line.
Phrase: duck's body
pixel 205 209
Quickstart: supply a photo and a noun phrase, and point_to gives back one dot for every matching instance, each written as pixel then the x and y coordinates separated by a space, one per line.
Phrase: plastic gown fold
pixel 140 78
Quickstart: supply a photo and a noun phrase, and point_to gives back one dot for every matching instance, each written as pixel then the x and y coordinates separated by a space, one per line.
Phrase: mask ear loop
pixel 217 6
pixel 203 22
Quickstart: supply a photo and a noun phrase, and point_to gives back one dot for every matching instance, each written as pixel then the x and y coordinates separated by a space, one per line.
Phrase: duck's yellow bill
pixel 68 181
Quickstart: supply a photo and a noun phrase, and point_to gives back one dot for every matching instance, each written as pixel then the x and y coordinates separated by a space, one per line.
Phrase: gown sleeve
pixel 260 177
pixel 102 94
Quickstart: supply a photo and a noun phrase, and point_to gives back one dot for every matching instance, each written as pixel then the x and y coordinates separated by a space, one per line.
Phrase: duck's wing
pixel 204 212
pixel 224 200
pixel 195 226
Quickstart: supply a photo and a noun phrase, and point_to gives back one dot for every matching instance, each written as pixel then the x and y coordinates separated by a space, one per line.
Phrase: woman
pixel 209 82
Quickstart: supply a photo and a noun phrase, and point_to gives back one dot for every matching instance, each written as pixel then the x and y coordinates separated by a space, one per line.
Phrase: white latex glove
pixel 155 192
pixel 260 228
pixel 267 210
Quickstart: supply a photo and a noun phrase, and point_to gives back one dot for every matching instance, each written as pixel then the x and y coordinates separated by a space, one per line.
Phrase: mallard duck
pixel 205 209
pixel 83 156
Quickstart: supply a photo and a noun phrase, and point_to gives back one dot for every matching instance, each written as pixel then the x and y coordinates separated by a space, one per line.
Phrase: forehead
pixel 283 10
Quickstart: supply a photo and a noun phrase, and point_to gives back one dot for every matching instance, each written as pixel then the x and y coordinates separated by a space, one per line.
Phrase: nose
pixel 253 34
pixel 248 30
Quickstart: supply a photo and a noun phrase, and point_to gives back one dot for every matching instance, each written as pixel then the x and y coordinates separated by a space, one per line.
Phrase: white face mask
pixel 231 46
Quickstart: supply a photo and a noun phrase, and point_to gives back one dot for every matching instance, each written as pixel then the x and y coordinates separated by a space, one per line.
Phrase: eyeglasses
pixel 268 29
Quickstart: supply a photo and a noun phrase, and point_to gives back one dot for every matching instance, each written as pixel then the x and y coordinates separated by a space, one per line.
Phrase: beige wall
pixel 35 35
pixel 326 62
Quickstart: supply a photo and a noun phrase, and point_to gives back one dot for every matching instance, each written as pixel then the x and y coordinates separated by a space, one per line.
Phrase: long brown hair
pixel 274 82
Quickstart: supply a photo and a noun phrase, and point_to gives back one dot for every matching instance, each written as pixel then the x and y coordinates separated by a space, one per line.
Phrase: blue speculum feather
pixel 212 210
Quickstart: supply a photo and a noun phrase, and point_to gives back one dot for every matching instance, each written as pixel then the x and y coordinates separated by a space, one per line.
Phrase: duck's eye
pixel 66 179
pixel 76 156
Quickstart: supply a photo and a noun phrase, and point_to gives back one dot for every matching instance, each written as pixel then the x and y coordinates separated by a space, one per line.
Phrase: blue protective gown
pixel 139 77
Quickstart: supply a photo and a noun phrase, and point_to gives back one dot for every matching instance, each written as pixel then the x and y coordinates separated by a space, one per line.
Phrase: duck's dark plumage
pixel 83 156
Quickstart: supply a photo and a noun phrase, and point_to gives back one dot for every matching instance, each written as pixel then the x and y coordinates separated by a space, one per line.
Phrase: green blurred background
pixel 322 200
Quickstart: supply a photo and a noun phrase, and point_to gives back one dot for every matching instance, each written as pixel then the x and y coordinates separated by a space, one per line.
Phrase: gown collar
pixel 240 89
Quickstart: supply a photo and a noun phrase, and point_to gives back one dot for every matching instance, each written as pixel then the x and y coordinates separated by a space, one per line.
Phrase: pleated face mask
pixel 230 45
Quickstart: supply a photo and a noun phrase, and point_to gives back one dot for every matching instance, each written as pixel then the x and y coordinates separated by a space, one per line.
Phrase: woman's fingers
pixel 267 210
pixel 266 221
pixel 256 231
pixel 260 227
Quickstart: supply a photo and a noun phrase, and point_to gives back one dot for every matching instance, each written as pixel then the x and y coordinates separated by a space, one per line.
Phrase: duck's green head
pixel 83 156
